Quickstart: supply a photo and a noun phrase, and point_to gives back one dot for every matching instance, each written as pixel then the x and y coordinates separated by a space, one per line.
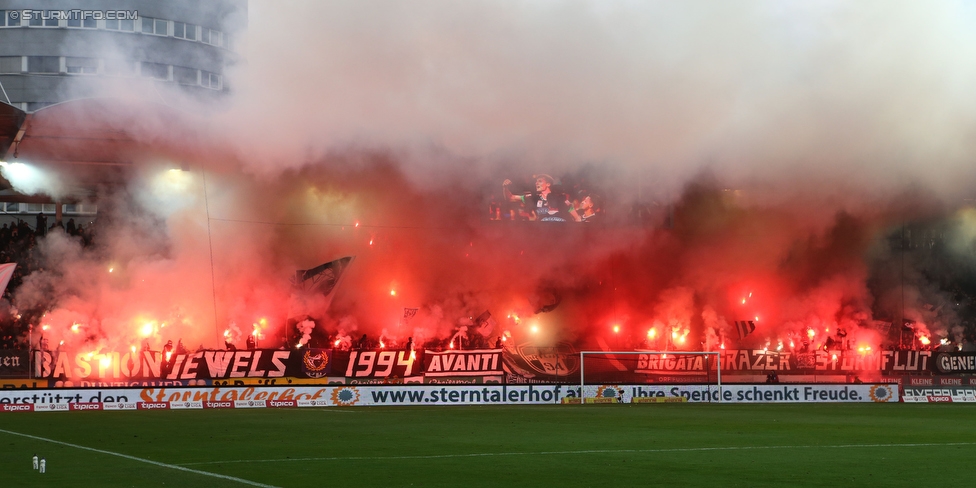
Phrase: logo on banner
pixel 282 403
pixel 315 363
pixel 610 391
pixel 85 406
pixel 218 405
pixel 19 407
pixel 881 393
pixel 153 405
pixel 563 359
pixel 345 396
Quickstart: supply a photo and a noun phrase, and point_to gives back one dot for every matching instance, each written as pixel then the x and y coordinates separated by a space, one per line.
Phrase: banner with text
pixel 14 363
pixel 483 362
pixel 352 395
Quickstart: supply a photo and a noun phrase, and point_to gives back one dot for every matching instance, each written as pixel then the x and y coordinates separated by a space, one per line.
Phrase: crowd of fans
pixel 18 243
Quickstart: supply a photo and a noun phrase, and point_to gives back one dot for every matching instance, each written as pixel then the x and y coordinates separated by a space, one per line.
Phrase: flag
pixel 482 324
pixel 324 277
pixel 744 327
pixel 482 319
pixel 881 326
pixel 408 314
pixel 6 272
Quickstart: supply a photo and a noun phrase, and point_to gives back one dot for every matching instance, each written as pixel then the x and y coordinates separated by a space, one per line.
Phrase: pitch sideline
pixel 589 451
pixel 147 461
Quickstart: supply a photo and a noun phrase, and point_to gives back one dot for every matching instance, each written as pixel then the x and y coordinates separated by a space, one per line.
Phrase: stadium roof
pixel 92 140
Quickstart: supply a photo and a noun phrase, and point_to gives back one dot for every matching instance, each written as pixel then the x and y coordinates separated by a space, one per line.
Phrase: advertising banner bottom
pixel 939 395
pixel 165 398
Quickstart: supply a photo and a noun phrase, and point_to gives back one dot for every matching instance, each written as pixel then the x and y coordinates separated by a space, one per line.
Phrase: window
pixel 155 26
pixel 78 208
pixel 122 25
pixel 6 21
pixel 210 80
pixel 184 76
pixel 44 18
pixel 11 207
pixel 81 66
pixel 155 70
pixel 210 36
pixel 10 64
pixel 43 64
pixel 75 20
pixel 184 31
pixel 119 67
pixel 35 106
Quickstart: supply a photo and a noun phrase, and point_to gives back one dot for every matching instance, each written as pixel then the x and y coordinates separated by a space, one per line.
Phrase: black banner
pixel 528 363
pixel 14 363
pixel 152 365
pixel 377 363
pixel 525 363
pixel 955 362
pixel 479 362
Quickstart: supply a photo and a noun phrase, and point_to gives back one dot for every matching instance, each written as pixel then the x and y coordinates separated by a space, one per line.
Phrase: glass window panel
pixel 184 76
pixel 10 64
pixel 43 64
pixel 155 70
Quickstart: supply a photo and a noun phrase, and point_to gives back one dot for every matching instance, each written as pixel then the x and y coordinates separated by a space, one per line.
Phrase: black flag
pixel 482 319
pixel 744 327
pixel 324 277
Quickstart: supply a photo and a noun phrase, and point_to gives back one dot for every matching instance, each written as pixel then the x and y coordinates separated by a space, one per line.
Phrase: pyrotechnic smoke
pixel 305 327
pixel 757 160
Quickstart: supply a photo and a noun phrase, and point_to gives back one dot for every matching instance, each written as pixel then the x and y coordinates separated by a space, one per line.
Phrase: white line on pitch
pixel 141 460
pixel 589 451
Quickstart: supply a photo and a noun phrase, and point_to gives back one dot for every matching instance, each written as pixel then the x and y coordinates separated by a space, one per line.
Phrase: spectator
pixel 41 228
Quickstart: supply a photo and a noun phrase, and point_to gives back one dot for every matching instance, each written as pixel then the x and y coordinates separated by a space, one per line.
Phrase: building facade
pixel 53 51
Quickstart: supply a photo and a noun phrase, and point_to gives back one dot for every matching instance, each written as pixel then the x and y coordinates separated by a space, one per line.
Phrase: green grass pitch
pixel 572 445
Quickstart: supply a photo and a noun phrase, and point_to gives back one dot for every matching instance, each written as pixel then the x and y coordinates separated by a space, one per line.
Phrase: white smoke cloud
pixel 871 94
pixel 393 115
